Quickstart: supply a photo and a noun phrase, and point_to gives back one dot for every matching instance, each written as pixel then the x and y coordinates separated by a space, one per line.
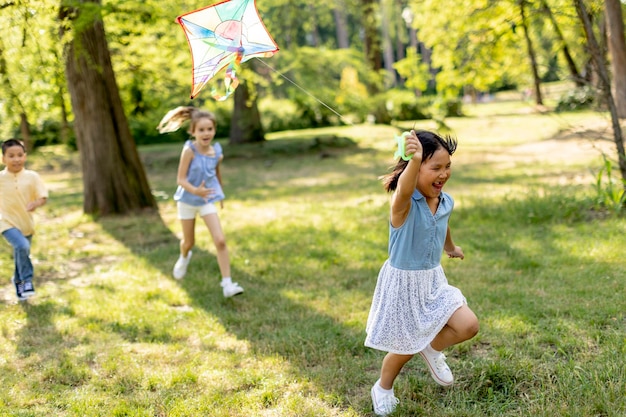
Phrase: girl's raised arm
pixel 401 198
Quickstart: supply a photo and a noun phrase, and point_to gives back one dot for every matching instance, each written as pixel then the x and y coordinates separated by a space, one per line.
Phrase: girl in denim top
pixel 199 187
pixel 414 309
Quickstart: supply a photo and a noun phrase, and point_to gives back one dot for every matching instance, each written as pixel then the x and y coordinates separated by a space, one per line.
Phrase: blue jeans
pixel 21 254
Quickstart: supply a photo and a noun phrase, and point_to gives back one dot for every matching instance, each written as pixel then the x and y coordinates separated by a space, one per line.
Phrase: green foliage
pixel 151 59
pixel 281 114
pixel 295 23
pixel 315 79
pixel 442 108
pixel 414 70
pixel 405 105
pixel 398 105
pixel 51 133
pixel 477 51
pixel 32 78
pixel 610 195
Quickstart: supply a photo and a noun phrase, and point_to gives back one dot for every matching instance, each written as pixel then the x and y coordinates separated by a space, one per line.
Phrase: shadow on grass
pixel 274 313
pixel 293 307
pixel 43 340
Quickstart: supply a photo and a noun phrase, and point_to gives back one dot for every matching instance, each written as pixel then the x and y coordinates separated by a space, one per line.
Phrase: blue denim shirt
pixel 202 167
pixel 418 243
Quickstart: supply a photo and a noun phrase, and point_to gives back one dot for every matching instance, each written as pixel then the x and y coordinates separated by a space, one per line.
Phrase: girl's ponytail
pixel 175 118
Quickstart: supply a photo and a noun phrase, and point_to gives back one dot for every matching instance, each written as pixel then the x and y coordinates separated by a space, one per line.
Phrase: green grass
pixel 110 333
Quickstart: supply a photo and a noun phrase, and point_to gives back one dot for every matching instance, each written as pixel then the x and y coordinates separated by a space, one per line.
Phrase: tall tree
pixel 482 51
pixel 370 32
pixel 604 81
pixel 114 181
pixel 571 64
pixel 617 50
pixel 531 52
pixel 245 124
pixel 14 100
pixel 387 44
pixel 341 25
pixel 29 84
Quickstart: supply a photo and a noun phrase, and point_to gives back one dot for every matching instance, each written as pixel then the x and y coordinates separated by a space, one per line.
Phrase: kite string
pixel 302 88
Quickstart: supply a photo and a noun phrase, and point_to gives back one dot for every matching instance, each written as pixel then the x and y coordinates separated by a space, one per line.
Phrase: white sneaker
pixel 383 404
pixel 180 268
pixel 438 367
pixel 231 289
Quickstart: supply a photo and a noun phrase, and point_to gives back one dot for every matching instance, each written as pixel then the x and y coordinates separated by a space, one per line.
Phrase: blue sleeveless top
pixel 418 243
pixel 202 167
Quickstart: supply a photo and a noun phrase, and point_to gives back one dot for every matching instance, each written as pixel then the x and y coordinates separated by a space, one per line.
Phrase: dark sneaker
pixel 19 289
pixel 28 289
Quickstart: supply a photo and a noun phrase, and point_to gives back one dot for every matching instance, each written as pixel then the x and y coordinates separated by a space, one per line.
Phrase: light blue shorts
pixel 189 212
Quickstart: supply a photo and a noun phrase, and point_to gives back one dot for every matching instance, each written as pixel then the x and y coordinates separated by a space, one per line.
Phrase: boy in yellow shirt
pixel 21 192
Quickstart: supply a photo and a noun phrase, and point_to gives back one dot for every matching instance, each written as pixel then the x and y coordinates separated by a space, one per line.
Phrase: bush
pixel 335 87
pixel 281 114
pixel 610 193
pixel 578 99
pixel 405 105
pixel 49 133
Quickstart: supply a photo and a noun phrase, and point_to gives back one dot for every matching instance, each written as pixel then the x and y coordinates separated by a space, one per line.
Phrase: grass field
pixel 111 333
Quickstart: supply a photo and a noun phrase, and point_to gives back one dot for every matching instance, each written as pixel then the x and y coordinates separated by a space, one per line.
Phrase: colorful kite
pixel 224 35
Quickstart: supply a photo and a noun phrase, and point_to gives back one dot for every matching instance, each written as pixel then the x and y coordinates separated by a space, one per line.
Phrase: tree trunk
pixel 531 54
pixel 400 40
pixel 372 39
pixel 65 125
pixel 341 25
pixel 13 101
pixel 605 83
pixel 571 65
pixel 617 50
pixel 387 45
pixel 245 125
pixel 114 180
pixel 25 132
pixel 315 34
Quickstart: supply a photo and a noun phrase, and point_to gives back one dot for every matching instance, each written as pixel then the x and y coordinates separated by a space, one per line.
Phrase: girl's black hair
pixel 431 142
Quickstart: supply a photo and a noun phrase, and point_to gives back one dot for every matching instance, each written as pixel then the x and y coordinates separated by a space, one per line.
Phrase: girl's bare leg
pixel 188 240
pixel 223 259
pixel 462 326
pixel 392 365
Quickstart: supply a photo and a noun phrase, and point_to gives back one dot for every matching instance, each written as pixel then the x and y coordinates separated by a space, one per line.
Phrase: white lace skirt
pixel 409 308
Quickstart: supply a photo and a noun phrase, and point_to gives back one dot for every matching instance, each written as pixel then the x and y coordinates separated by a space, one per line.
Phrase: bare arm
pixel 451 249
pixel 401 198
pixel 218 174
pixel 181 178
pixel 36 204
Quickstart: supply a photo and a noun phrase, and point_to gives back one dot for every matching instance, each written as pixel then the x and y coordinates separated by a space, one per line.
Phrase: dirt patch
pixel 572 145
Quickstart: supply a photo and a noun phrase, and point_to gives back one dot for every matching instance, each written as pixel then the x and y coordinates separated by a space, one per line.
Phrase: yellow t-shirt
pixel 17 190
